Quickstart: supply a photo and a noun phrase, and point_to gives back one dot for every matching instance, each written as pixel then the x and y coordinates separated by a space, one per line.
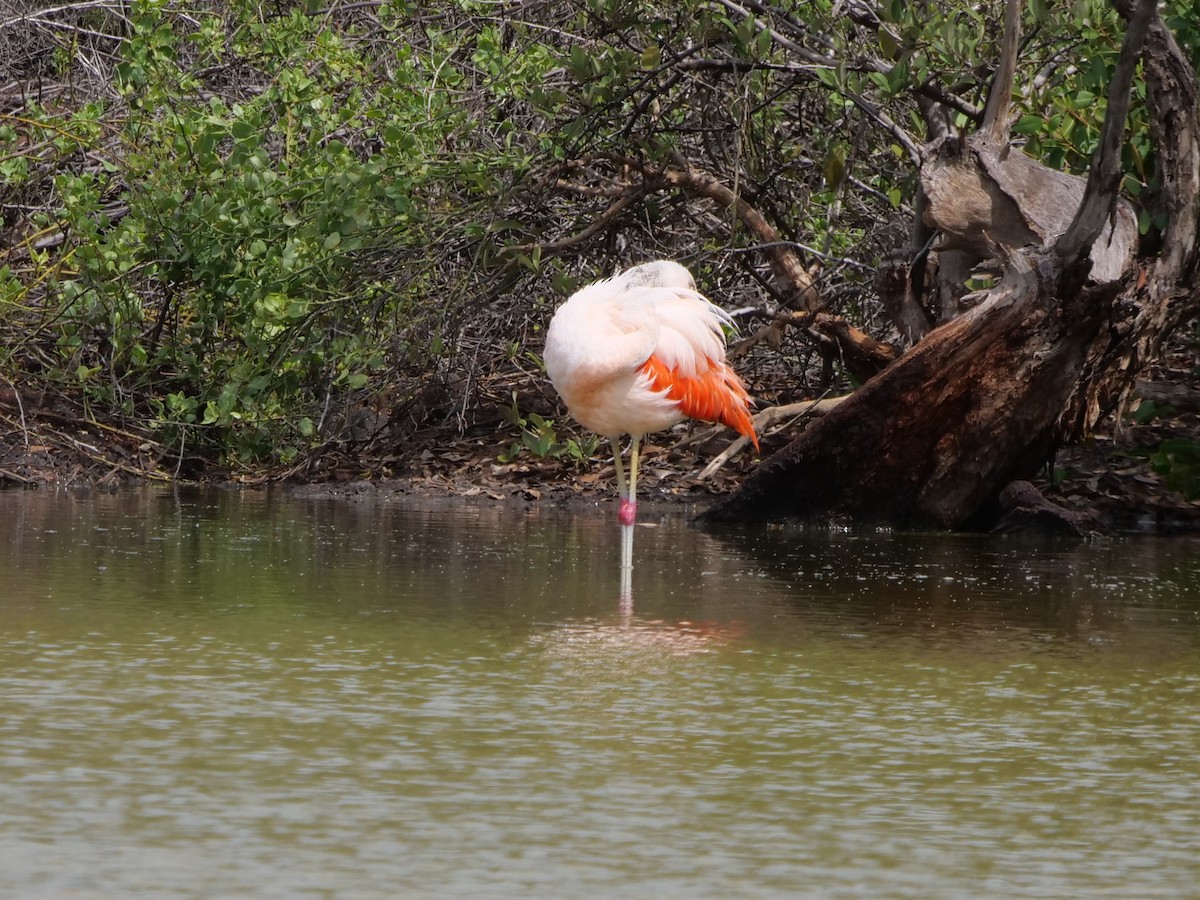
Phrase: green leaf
pixel 581 63
pixel 834 166
pixel 1029 124
pixel 242 130
pixel 880 81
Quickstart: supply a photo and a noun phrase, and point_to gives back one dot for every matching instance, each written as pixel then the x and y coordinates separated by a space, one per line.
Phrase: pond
pixel 214 693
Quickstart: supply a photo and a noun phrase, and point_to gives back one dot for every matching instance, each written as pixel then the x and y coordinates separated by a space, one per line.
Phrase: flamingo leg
pixel 619 465
pixel 626 513
pixel 628 509
pixel 634 447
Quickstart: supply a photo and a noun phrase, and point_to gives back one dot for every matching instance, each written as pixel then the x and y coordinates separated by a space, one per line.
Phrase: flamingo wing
pixel 688 362
pixel 717 395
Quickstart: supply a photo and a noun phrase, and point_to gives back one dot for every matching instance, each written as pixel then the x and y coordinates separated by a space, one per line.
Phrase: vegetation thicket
pixel 251 234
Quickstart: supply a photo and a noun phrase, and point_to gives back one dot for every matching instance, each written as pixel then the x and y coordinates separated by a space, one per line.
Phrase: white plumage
pixel 601 339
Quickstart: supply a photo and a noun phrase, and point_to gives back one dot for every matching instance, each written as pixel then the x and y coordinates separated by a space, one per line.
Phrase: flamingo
pixel 638 353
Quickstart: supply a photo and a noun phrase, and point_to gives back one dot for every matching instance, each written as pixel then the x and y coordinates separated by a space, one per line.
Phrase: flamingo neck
pixel 627 511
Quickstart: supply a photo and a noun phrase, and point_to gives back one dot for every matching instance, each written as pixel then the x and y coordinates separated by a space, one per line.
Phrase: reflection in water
pixel 625 598
pixel 593 640
pixel 221 694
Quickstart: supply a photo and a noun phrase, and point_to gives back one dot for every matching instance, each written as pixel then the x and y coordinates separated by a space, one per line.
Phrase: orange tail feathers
pixel 718 395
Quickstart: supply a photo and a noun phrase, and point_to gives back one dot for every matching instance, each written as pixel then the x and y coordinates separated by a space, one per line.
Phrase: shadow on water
pixel 991 589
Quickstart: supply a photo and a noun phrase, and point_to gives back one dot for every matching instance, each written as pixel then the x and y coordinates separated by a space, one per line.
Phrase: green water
pixel 246 695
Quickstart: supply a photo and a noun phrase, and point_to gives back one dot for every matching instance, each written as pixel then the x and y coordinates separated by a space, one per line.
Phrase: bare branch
pixel 873 111
pixel 779 38
pixel 1104 175
pixel 840 260
pixel 996 113
pixel 783 258
pixel 762 420
pixel 41 16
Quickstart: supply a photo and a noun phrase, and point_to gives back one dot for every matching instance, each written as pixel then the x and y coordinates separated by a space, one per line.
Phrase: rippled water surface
pixel 234 695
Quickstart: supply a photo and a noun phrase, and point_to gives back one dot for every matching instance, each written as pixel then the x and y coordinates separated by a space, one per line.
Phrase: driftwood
pixel 927 442
pixel 1023 510
pixel 979 401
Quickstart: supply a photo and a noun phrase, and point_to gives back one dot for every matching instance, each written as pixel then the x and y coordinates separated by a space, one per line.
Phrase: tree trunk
pixel 980 401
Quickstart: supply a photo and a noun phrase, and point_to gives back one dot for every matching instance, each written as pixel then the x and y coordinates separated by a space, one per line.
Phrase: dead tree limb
pixel 784 260
pixel 996 114
pixel 1104 175
pixel 980 193
pixel 1166 292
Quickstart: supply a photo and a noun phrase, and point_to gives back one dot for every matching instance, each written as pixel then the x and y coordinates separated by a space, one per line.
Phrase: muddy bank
pixel 1117 476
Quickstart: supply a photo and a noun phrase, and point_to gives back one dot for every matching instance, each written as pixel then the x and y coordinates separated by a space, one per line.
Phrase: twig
pixel 179 462
pixel 602 221
pixel 743 65
pixel 37 16
pixel 765 419
pixel 995 114
pixel 94 454
pixel 20 411
pixel 807 249
pixel 779 38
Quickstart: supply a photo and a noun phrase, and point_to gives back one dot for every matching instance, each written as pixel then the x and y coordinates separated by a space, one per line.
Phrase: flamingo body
pixel 641 351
